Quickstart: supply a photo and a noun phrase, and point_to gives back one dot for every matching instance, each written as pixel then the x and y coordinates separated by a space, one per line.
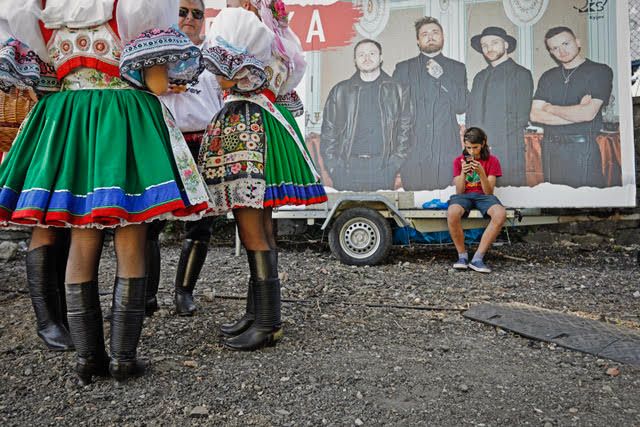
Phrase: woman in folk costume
pixel 252 156
pixel 95 152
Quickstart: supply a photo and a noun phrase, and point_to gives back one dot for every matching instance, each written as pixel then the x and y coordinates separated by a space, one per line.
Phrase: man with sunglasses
pixel 192 108
pixel 191 19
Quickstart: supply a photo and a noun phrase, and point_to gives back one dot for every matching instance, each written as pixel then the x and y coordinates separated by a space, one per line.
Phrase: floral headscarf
pixel 274 15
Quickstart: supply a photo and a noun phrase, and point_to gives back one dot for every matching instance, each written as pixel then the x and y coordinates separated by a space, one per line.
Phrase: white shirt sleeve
pixel 76 13
pixel 21 17
pixel 136 16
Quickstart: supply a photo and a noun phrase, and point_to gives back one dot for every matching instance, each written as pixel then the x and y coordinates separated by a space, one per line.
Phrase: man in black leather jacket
pixel 366 125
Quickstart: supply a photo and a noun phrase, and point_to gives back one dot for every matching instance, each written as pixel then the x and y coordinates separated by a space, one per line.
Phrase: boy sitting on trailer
pixel 475 173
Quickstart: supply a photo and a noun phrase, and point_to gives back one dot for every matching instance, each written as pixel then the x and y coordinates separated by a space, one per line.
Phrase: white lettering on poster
pixel 315 27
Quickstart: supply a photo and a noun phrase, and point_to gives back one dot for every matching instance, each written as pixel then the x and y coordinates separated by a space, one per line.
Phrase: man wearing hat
pixel 500 102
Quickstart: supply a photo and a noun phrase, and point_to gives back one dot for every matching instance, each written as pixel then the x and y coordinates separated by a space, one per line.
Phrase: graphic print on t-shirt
pixel 472 181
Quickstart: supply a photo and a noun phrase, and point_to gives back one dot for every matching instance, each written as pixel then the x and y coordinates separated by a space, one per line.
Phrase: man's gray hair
pixel 201 4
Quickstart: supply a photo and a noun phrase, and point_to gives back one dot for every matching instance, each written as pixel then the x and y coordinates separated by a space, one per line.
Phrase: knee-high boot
pixel 229 330
pixel 266 329
pixel 192 257
pixel 47 299
pixel 85 324
pixel 153 277
pixel 127 313
pixel 239 326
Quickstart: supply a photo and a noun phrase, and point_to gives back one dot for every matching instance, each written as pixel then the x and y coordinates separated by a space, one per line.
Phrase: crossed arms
pixel 549 114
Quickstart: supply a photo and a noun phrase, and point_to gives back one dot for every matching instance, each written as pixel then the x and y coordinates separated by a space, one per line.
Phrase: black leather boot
pixel 229 330
pixel 266 330
pixel 192 258
pixel 153 277
pixel 236 328
pixel 85 321
pixel 47 300
pixel 127 313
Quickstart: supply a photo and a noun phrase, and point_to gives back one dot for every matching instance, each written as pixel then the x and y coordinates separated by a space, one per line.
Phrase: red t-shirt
pixel 472 182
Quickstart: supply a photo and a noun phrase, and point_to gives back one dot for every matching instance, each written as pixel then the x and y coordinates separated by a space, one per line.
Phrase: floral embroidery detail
pixel 231 157
pixel 101 47
pixel 168 47
pixel 291 101
pixel 191 180
pixel 90 78
pixel 215 144
pixel 99 43
pixel 66 47
pixel 264 102
pixel 83 43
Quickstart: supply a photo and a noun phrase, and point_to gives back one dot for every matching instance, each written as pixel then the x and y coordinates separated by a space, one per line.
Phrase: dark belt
pixel 576 139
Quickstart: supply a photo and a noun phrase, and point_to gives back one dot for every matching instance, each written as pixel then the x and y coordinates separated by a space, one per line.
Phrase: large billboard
pixel 391 86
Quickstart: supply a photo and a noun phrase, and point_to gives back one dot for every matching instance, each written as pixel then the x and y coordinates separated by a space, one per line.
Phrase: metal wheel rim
pixel 360 238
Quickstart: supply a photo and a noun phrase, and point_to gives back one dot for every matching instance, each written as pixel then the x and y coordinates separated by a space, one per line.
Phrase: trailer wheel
pixel 360 236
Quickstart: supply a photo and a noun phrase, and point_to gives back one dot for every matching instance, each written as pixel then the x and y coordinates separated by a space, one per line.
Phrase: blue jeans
pixel 468 201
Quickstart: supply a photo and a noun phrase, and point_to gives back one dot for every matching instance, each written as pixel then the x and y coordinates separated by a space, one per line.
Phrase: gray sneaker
pixel 479 266
pixel 461 264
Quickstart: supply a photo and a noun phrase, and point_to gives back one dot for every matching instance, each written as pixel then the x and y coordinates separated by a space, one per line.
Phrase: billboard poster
pixel 391 86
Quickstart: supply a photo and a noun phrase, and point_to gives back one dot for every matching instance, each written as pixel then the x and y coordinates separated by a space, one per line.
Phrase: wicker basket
pixel 14 107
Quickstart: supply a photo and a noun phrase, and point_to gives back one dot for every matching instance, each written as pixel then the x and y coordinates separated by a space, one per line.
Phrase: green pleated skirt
pixel 92 158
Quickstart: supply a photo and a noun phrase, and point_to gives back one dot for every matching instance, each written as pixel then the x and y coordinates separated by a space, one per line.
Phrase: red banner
pixel 320 27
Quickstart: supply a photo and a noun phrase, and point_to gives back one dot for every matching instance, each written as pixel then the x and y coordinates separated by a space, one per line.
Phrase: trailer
pixel 359 225
pixel 444 79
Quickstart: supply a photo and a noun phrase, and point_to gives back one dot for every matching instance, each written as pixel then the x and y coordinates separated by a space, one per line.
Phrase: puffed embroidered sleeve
pixel 151 36
pixel 238 48
pixel 23 55
pixel 292 102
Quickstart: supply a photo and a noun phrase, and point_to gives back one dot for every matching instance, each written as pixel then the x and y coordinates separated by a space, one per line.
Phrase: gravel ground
pixel 384 345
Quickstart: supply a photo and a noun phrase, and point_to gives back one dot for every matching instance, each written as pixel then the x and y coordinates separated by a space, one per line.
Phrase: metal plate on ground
pixel 567 330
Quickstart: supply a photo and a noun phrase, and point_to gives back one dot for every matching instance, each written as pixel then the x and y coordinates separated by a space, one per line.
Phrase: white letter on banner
pixel 315 28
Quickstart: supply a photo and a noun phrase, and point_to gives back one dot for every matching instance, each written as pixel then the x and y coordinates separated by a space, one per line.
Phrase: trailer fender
pixel 373 201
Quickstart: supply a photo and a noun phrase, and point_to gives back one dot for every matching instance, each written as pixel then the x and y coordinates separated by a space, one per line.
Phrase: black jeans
pixel 572 160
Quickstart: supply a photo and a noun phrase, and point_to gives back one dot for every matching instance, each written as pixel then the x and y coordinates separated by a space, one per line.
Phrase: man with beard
pixel 366 125
pixel 438 91
pixel 568 103
pixel 500 102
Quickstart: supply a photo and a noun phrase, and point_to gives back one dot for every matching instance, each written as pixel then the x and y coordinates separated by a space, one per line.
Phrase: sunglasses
pixel 195 13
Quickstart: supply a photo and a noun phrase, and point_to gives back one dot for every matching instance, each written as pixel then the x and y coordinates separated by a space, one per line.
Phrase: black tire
pixel 360 236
